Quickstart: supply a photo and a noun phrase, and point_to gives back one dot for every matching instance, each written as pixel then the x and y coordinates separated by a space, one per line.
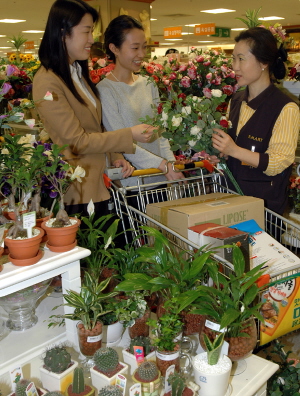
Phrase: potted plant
pixel 231 304
pixel 141 342
pixel 180 387
pixel 110 390
pixel 106 367
pixel 148 375
pixel 212 371
pixel 78 386
pixel 112 327
pixel 89 306
pixel 61 230
pixel 22 387
pixel 58 368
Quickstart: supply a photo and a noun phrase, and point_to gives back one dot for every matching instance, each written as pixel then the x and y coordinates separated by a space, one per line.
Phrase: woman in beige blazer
pixel 74 116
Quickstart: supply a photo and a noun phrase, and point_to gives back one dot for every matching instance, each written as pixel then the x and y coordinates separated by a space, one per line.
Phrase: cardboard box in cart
pixel 221 208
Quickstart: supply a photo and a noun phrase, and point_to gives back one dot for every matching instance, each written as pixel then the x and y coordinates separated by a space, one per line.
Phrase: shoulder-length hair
pixel 64 15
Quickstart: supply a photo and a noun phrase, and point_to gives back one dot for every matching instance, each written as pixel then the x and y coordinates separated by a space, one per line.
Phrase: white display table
pixel 17 348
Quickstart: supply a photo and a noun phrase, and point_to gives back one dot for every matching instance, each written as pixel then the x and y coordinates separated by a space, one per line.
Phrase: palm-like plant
pixel 17 41
pixel 252 18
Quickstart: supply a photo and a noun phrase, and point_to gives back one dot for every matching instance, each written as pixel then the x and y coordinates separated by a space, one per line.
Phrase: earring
pixel 262 69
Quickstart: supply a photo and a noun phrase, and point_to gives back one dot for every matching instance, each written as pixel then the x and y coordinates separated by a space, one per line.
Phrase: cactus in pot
pixel 21 387
pixel 57 359
pixel 106 359
pixel 78 386
pixel 147 372
pixel 141 341
pixel 110 390
pixel 53 394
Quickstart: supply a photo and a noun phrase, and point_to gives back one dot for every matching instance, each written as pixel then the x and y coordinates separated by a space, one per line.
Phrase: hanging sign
pixel 204 29
pixel 222 32
pixel 172 32
pixel 29 44
pixel 280 309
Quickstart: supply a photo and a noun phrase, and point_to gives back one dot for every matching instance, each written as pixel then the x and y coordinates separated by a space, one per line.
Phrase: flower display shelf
pixel 14 351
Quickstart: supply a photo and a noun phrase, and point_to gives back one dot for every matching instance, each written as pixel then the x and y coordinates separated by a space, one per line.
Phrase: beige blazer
pixel 67 121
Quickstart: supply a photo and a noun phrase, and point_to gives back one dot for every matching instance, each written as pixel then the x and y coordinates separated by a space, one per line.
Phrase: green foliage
pixel 130 308
pixel 78 381
pixel 213 348
pixel 106 359
pixel 110 390
pixel 21 387
pixel 147 371
pixel 232 299
pixel 178 383
pixel 141 341
pixel 89 304
pixel 252 18
pixel 57 359
pixel 17 41
pixel 286 380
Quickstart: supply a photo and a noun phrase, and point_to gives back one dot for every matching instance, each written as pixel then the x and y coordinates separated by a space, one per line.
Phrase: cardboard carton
pixel 214 235
pixel 220 208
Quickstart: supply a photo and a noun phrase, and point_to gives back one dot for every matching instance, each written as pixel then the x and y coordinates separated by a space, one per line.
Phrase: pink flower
pixel 185 82
pixel 101 62
pixel 150 69
pixel 208 76
pixel 218 80
pixel 224 68
pixel 227 89
pixel 166 82
pixel 207 63
pixel 172 76
pixel 192 73
pixel 207 92
pixel 235 88
pixel 199 59
pixel 182 68
pixel 232 74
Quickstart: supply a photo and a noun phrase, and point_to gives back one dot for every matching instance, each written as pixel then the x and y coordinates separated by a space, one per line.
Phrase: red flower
pixel 155 78
pixel 222 108
pixel 95 79
pixel 160 108
pixel 224 123
pixel 150 69
pixel 227 89
pixel 182 96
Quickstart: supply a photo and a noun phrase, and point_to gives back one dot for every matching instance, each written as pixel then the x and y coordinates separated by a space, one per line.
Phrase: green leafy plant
pixel 252 18
pixel 17 41
pixel 213 348
pixel 130 307
pixel 89 304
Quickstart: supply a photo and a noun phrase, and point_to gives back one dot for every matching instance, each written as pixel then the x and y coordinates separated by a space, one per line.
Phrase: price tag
pixel 135 390
pixel 121 382
pixel 15 375
pixel 29 221
pixel 31 390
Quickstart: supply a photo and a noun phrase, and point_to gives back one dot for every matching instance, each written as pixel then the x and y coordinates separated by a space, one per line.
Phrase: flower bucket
pixel 61 239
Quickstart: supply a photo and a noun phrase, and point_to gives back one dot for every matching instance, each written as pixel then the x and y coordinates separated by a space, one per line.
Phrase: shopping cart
pixel 132 217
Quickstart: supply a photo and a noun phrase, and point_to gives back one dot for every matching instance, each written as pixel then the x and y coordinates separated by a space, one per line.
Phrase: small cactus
pixel 147 371
pixel 57 359
pixel 140 341
pixel 78 381
pixel 106 359
pixel 21 387
pixel 177 382
pixel 110 390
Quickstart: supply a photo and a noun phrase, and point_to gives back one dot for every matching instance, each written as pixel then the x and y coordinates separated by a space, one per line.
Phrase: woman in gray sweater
pixel 127 97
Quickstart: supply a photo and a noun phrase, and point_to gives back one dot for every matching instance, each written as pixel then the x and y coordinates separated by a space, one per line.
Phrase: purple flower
pixel 47 146
pixel 3 116
pixel 5 88
pixel 53 194
pixel 10 70
pixel 28 88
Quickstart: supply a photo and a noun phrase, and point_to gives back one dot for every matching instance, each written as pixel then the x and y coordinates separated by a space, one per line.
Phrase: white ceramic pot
pixel 130 359
pixel 112 334
pixel 212 380
pixel 57 382
pixel 100 380
pixel 40 391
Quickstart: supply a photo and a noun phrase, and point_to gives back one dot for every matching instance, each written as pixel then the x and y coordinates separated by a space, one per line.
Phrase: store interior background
pixel 165 13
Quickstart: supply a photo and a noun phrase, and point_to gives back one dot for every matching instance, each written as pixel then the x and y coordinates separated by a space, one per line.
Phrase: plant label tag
pixel 170 370
pixel 214 326
pixel 2 231
pixel 139 354
pixel 31 390
pixel 135 390
pixel 224 349
pixel 15 375
pixel 29 221
pixel 94 338
pixel 121 382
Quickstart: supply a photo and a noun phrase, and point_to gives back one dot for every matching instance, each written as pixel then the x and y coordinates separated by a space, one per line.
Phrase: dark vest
pixel 255 135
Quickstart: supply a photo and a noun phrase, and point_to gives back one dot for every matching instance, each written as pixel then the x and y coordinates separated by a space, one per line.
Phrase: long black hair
pixel 116 31
pixel 263 46
pixel 64 15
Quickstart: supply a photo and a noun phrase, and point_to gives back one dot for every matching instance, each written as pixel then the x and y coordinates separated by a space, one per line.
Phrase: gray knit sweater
pixel 122 106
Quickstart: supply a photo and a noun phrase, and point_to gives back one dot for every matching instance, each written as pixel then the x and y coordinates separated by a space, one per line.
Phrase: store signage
pixel 172 32
pixel 280 309
pixel 204 29
pixel 222 32
pixel 29 44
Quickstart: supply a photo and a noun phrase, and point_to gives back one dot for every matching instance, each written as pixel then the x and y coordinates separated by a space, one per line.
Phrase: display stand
pixel 18 348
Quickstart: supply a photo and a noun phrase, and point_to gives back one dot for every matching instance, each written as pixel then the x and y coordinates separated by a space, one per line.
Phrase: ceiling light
pixel 12 20
pixel 218 11
pixel 270 18
pixel 192 24
pixel 153 19
pixel 5 47
pixel 173 39
pixel 238 29
pixel 184 33
pixel 33 31
pixel 206 41
pixel 2 35
pixel 166 43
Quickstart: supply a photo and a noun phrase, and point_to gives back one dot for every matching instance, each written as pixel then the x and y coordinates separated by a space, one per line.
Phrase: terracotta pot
pixel 24 248
pixel 61 239
pixel 239 347
pixel 89 340
pixel 11 215
pixel 39 224
pixel 140 328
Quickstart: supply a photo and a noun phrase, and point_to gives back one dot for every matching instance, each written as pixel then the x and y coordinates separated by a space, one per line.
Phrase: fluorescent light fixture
pixel 5 47
pixel 153 19
pixel 238 29
pixel 206 41
pixel 12 20
pixel 166 43
pixel 270 18
pixel 185 33
pixel 173 39
pixel 192 24
pixel 2 35
pixel 218 11
pixel 33 31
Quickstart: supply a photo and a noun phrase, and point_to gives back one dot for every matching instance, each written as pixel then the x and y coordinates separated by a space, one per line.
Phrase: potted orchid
pixel 61 230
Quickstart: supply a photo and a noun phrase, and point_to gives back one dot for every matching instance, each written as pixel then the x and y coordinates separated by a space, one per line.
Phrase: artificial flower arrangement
pixel 99 68
pixel 206 69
